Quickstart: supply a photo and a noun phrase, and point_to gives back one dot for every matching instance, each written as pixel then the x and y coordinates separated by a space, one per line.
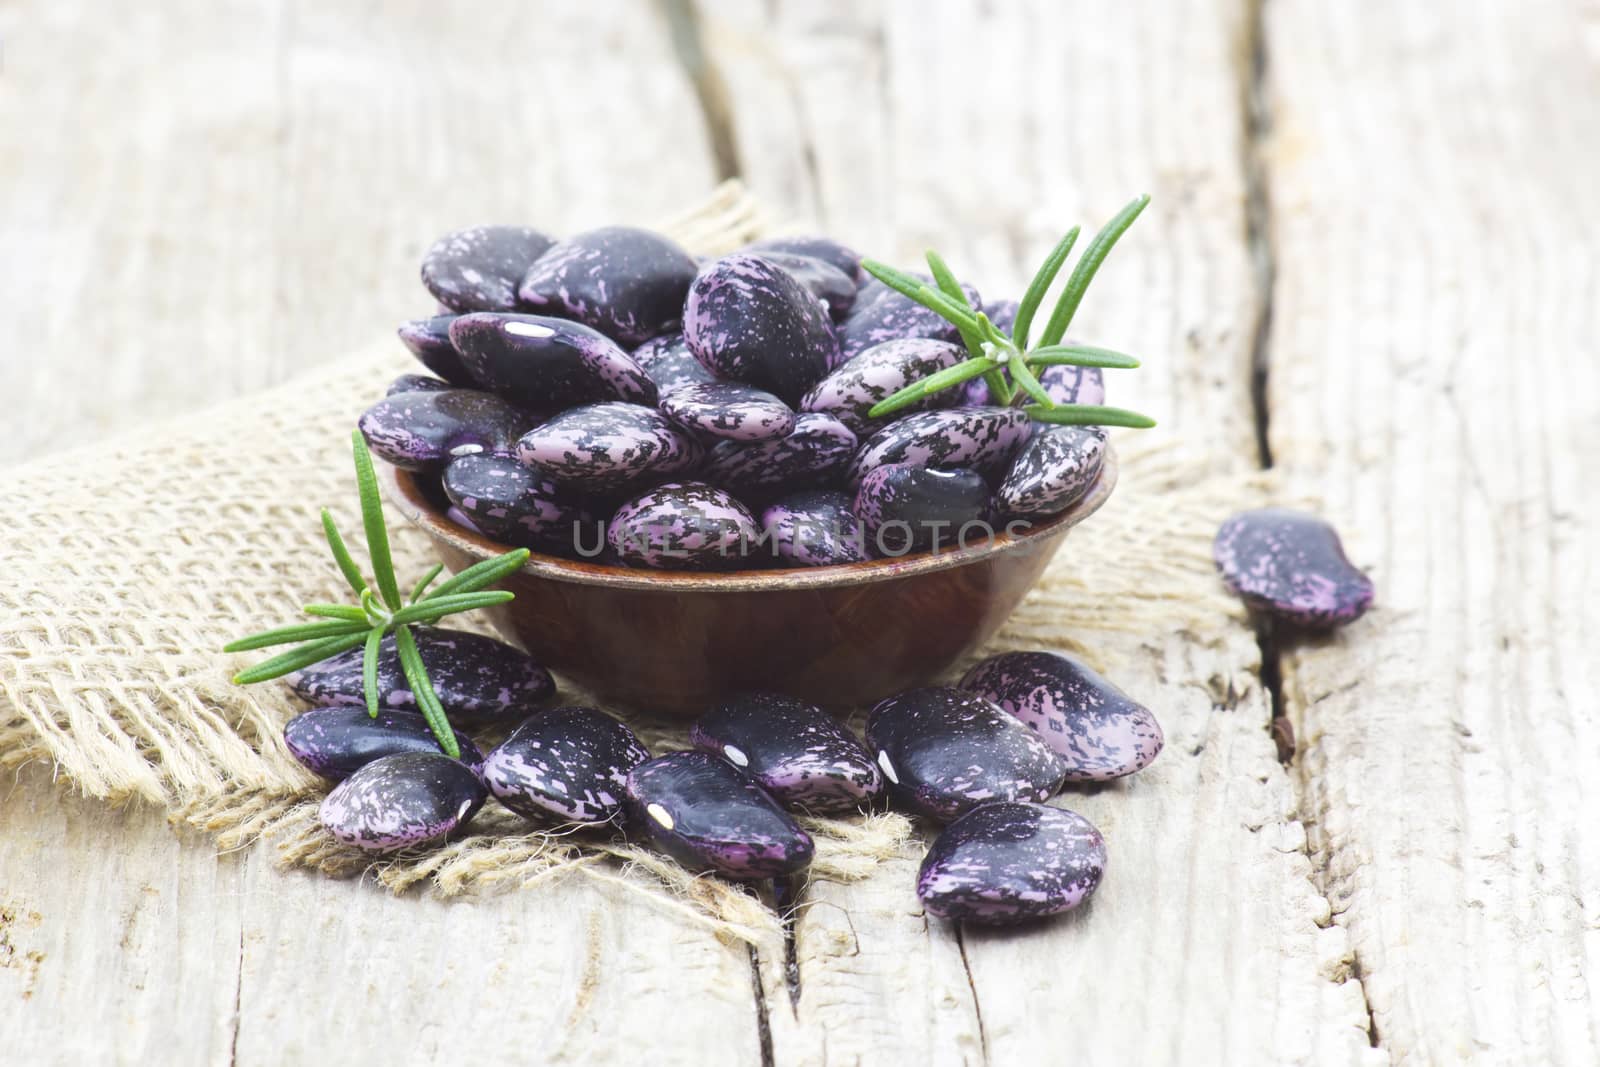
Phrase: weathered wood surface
pixel 223 196
pixel 1435 377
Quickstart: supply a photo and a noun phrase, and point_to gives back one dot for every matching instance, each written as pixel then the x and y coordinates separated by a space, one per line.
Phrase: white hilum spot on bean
pixel 888 768
pixel 735 756
pixel 660 815
pixel 529 329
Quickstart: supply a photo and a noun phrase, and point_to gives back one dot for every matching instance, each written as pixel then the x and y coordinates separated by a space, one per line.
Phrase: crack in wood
pixel 977 1006
pixel 786 895
pixel 1258 219
pixel 710 90
pixel 1261 242
pixel 763 1021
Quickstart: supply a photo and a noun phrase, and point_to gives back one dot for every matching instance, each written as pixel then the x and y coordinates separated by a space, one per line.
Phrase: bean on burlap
pixel 126 565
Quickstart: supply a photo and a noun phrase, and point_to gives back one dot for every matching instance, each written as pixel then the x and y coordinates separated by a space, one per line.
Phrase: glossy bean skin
pixel 1002 864
pixel 338 740
pixel 683 526
pixel 749 320
pixel 911 509
pixel 946 751
pixel 1099 732
pixel 544 363
pixel 568 764
pixel 423 431
pixel 626 282
pixel 803 757
pixel 478 269
pixel 1291 565
pixel 608 448
pixel 705 814
pixel 477 679
pixel 407 799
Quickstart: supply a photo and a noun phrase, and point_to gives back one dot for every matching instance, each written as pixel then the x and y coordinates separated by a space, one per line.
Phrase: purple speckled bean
pixel 337 741
pixel 546 363
pixel 429 341
pixel 568 764
pixel 1008 863
pixel 1291 565
pixel 627 283
pixel 1074 385
pixel 669 363
pixel 981 438
pixel 912 509
pixel 708 816
pixel 748 320
pixel 876 374
pixel 883 314
pixel 478 679
pixel 1091 724
pixel 946 751
pixel 609 447
pixel 1052 470
pixel 512 503
pixel 805 758
pixel 814 454
pixel 683 526
pixel 422 431
pixel 730 411
pixel 823 248
pixel 815 528
pixel 417 383
pixel 478 269
pixel 1064 384
pixel 1003 313
pixel 402 800
pixel 820 278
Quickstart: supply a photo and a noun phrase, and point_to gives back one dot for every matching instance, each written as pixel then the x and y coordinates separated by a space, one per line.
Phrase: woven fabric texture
pixel 126 566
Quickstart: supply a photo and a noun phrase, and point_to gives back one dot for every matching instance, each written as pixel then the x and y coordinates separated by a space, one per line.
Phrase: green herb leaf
pixel 917 289
pixel 427 580
pixel 1018 368
pixel 341 554
pixel 288 635
pixel 1040 285
pixel 480 575
pixel 1081 356
pixel 937 382
pixel 1083 273
pixel 1090 415
pixel 372 519
pixel 437 607
pixel 369 670
pixel 338 611
pixel 296 658
pixel 973 339
pixel 422 689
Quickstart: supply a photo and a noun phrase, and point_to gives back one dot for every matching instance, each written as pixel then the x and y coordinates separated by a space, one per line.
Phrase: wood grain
pixel 1434 378
pixel 848 113
pixel 200 199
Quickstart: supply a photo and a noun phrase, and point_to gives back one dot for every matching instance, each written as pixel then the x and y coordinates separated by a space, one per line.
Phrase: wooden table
pixel 1371 262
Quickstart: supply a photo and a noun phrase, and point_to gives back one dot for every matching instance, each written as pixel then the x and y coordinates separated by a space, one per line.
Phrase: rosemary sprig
pixel 383 612
pixel 1006 363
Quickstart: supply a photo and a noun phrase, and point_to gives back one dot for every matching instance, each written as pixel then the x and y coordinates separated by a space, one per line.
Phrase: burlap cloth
pixel 125 566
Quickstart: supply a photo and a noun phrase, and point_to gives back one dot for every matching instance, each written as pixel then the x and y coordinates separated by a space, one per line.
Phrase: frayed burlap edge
pixel 127 565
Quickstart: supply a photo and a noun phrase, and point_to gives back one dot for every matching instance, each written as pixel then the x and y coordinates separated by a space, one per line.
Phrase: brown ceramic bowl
pixel 840 636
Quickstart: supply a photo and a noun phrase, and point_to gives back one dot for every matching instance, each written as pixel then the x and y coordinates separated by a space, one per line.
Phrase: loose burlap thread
pixel 126 566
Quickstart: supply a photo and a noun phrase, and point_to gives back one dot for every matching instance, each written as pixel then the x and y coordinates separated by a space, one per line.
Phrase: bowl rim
pixel 402 489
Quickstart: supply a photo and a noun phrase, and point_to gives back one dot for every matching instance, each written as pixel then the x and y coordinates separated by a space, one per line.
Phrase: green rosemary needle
pixel 1006 363
pixel 381 612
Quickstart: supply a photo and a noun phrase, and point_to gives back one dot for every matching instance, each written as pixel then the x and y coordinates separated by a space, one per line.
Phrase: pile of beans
pixel 980 758
pixel 611 397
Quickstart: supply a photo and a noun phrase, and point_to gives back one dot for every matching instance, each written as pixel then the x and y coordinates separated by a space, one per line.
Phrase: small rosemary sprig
pixel 380 613
pixel 1006 363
